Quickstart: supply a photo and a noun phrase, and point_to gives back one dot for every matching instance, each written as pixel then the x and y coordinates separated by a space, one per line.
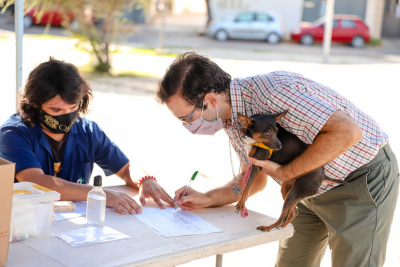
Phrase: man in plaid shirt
pixel 354 219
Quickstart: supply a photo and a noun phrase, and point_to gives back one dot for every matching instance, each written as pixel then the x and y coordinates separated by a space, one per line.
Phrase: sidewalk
pixel 188 22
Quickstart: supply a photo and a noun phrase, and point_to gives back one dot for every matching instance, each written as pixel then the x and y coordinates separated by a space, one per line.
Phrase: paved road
pixel 186 37
pixel 189 38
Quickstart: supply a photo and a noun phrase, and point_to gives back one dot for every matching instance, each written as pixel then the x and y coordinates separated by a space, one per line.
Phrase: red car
pixel 346 29
pixel 53 17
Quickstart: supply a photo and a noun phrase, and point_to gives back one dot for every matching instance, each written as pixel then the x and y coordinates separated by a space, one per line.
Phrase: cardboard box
pixel 7 171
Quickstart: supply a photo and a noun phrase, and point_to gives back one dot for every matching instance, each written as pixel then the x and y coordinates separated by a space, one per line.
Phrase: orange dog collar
pixel 264 147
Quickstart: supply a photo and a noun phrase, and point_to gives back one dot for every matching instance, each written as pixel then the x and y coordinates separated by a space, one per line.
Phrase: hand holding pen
pixel 186 189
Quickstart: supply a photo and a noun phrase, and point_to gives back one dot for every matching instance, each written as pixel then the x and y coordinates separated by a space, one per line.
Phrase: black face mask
pixel 59 124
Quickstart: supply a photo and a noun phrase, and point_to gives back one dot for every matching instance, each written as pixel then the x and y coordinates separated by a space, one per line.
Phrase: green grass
pixel 130 51
pixel 375 42
pixel 123 50
pixel 89 72
pixel 142 51
pixel 189 48
pixel 49 36
pixel 135 74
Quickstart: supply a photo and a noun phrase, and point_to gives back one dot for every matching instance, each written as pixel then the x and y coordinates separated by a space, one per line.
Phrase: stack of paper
pixel 170 222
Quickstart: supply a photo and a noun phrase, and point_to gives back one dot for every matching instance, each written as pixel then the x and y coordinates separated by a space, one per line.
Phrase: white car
pixel 248 25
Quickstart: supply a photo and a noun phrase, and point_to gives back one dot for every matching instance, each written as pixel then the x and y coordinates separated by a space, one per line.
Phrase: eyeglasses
pixel 196 107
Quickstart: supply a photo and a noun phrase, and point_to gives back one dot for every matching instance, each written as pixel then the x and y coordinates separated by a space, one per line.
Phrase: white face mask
pixel 204 127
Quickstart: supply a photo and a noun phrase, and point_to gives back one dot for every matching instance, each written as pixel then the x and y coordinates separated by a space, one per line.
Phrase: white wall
pixel 290 11
pixel 189 6
pixel 374 17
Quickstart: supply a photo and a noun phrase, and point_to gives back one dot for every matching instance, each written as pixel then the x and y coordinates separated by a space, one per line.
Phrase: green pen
pixel 187 187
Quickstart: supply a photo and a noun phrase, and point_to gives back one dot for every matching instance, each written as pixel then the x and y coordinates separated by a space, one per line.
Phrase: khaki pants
pixel 354 219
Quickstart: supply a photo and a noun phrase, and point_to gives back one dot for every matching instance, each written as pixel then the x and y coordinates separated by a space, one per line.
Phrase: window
pixel 245 17
pixel 334 24
pixel 346 23
pixel 319 21
pixel 263 17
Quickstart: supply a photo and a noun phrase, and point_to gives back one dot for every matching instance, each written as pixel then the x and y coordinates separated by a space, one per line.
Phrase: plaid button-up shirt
pixel 310 105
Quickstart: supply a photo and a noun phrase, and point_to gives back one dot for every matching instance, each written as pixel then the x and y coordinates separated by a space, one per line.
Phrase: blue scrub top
pixel 86 144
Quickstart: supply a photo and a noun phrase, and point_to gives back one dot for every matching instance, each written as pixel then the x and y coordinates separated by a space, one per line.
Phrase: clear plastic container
pixel 32 211
pixel 96 204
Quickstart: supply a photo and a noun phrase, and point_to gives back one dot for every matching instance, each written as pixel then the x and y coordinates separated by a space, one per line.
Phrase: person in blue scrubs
pixel 53 145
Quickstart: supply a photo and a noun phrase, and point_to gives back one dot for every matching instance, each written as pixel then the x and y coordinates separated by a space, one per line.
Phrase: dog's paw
pixel 239 206
pixel 265 228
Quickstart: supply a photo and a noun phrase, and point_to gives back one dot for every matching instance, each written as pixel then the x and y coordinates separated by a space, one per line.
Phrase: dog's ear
pixel 246 121
pixel 279 116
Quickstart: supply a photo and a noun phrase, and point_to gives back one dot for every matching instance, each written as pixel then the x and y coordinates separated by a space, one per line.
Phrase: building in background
pixel 391 19
pixel 189 6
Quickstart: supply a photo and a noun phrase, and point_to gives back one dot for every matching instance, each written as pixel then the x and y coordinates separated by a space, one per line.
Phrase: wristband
pixel 144 178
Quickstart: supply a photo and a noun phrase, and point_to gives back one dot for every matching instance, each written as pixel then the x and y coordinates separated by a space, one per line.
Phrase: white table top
pixel 146 248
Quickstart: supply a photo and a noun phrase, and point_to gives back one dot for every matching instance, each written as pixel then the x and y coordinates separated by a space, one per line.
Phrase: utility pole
pixel 19 33
pixel 163 9
pixel 330 5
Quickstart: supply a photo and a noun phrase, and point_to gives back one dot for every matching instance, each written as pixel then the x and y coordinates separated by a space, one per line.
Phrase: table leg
pixel 219 260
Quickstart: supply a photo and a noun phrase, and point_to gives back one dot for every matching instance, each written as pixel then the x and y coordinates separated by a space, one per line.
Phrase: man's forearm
pixel 225 195
pixel 222 196
pixel 125 174
pixel 341 133
pixel 69 191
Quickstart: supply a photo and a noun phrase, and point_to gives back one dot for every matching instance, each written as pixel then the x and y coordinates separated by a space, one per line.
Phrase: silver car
pixel 248 25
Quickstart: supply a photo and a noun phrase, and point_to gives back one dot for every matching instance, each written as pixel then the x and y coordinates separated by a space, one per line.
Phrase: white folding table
pixel 144 247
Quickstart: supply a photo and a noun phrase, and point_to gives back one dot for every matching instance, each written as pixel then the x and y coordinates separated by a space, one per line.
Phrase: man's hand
pixel 339 133
pixel 192 199
pixel 272 169
pixel 117 199
pixel 151 188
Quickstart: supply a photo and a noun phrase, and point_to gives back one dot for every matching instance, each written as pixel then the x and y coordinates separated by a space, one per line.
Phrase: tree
pixel 84 21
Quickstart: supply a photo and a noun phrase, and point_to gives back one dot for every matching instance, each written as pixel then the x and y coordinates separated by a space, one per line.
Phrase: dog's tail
pixel 335 181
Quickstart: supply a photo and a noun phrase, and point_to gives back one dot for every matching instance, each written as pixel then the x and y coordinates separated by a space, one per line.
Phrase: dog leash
pixel 236 188
pixel 244 213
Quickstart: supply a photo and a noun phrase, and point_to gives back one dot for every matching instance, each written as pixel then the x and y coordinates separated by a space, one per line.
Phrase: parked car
pixel 248 25
pixel 346 29
pixel 53 17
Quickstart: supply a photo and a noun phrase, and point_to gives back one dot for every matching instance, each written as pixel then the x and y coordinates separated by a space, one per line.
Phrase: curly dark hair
pixel 48 80
pixel 192 76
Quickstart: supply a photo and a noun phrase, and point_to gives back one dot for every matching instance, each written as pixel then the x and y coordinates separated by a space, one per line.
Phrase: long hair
pixel 48 80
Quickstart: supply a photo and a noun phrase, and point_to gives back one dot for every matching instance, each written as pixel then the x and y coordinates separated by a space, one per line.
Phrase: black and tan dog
pixel 270 141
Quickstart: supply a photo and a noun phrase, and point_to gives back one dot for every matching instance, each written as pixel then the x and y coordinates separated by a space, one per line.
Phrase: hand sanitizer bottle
pixel 96 204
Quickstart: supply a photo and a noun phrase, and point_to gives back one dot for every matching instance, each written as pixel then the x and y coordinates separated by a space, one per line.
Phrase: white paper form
pixel 170 222
pixel 90 235
pixel 80 210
